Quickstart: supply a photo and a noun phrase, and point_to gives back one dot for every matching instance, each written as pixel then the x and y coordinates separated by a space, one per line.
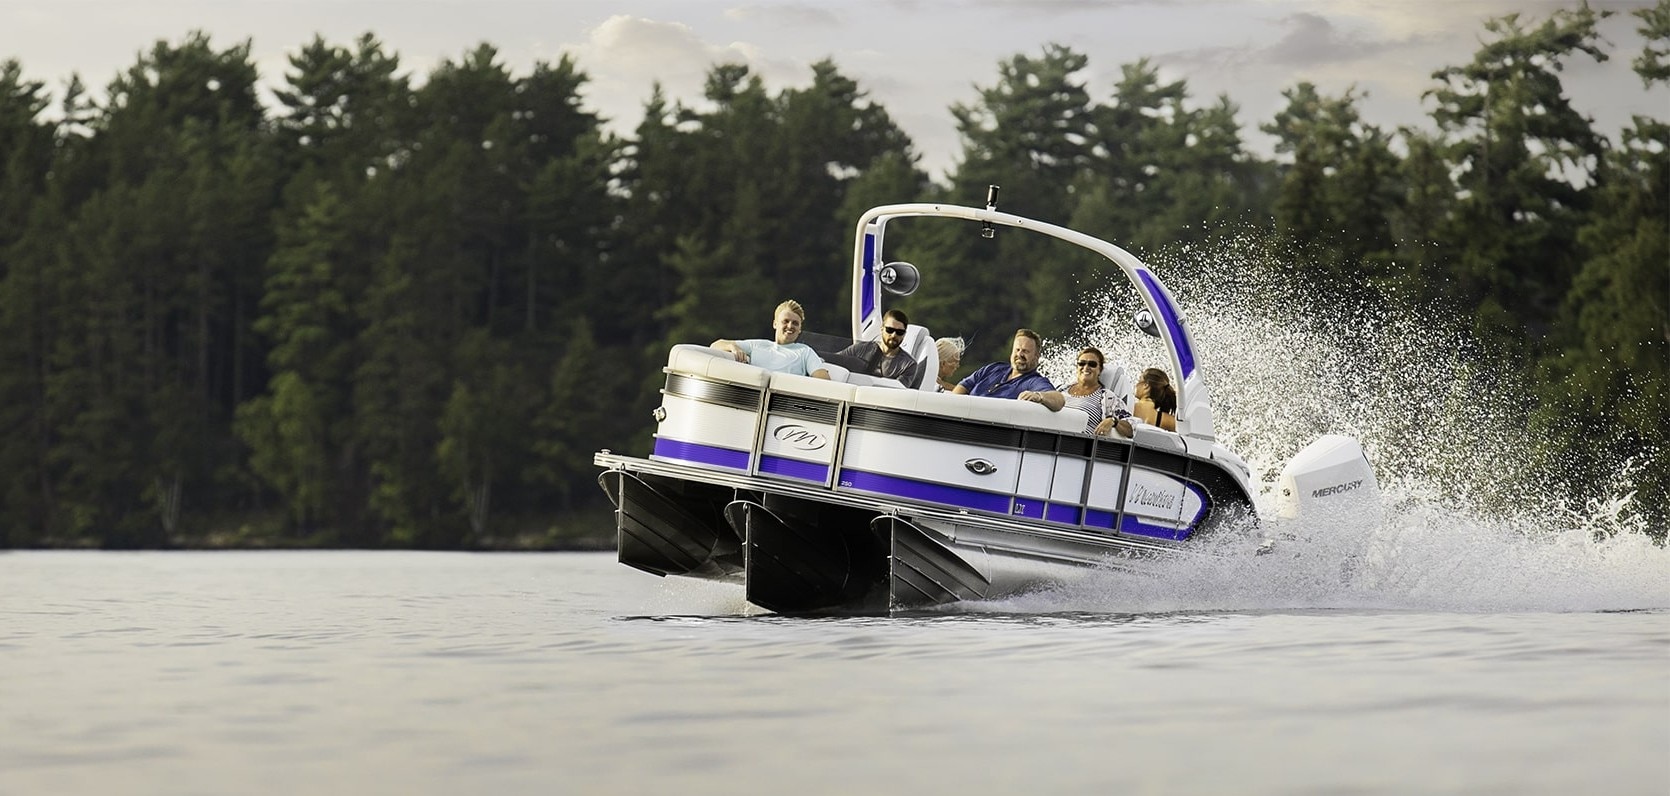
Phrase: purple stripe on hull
pixel 794 468
pixel 1064 513
pixel 919 490
pixel 697 453
pixel 1134 525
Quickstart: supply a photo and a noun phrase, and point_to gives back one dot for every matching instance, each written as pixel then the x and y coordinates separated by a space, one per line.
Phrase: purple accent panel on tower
pixel 794 468
pixel 867 305
pixel 1031 509
pixel 1173 321
pixel 697 453
pixel 921 490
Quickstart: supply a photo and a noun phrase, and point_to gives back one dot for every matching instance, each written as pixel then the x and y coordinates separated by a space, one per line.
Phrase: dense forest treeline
pixel 388 312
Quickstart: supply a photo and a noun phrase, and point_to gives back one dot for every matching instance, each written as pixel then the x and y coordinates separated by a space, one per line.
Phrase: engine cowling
pixel 1330 476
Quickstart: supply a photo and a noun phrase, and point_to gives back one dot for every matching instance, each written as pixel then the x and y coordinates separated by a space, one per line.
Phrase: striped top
pixel 1096 406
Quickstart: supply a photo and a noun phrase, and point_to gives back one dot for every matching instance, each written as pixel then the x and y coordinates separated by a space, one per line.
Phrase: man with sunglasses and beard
pixel 886 357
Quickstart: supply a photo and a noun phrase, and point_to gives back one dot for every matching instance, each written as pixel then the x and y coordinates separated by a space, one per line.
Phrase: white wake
pixel 1476 518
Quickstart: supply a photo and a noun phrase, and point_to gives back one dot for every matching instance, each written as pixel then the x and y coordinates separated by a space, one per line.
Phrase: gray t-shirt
pixel 899 366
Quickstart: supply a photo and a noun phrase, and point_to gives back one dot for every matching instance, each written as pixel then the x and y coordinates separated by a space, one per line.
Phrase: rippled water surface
pixel 366 672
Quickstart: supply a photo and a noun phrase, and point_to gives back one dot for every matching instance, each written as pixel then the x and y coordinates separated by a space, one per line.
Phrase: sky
pixel 916 58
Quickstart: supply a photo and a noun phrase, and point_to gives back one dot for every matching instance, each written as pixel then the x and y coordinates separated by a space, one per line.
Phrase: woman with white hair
pixel 950 357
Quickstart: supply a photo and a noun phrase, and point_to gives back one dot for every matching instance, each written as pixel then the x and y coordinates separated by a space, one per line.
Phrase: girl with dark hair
pixel 1156 403
pixel 1156 400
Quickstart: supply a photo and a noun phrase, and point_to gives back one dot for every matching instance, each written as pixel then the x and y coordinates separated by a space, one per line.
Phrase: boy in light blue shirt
pixel 783 354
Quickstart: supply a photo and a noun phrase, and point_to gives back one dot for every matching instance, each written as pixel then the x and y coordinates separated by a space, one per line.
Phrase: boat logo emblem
pixel 980 466
pixel 798 436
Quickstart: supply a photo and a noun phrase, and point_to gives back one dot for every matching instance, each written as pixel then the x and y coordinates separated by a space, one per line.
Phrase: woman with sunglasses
pixel 1086 393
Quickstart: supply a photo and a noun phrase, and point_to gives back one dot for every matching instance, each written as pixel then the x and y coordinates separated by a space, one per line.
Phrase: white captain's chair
pixel 919 344
pixel 1117 380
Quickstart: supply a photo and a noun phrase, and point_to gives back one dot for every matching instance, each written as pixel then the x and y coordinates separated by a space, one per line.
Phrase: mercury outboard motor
pixel 1330 476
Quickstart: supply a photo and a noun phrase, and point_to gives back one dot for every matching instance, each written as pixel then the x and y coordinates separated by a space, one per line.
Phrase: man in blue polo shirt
pixel 1010 379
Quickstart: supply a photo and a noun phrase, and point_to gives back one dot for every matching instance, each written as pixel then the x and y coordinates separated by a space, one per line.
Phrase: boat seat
pixel 701 360
pixel 810 387
pixel 919 344
pixel 866 380
pixel 1147 436
pixel 1117 380
pixel 840 374
pixel 970 407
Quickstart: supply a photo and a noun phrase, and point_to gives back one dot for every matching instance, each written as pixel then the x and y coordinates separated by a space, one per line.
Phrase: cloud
pixel 1306 42
pixel 788 15
pixel 1403 20
pixel 635 48
pixel 1313 40
pixel 1040 7
pixel 630 48
pixel 626 56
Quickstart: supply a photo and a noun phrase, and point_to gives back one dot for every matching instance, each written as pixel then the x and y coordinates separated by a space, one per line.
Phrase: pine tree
pixel 1523 154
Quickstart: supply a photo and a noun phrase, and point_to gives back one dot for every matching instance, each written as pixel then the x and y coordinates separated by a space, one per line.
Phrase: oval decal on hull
pixel 980 466
pixel 798 436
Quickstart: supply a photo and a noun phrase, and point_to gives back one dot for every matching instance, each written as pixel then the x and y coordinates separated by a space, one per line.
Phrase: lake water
pixel 418 673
